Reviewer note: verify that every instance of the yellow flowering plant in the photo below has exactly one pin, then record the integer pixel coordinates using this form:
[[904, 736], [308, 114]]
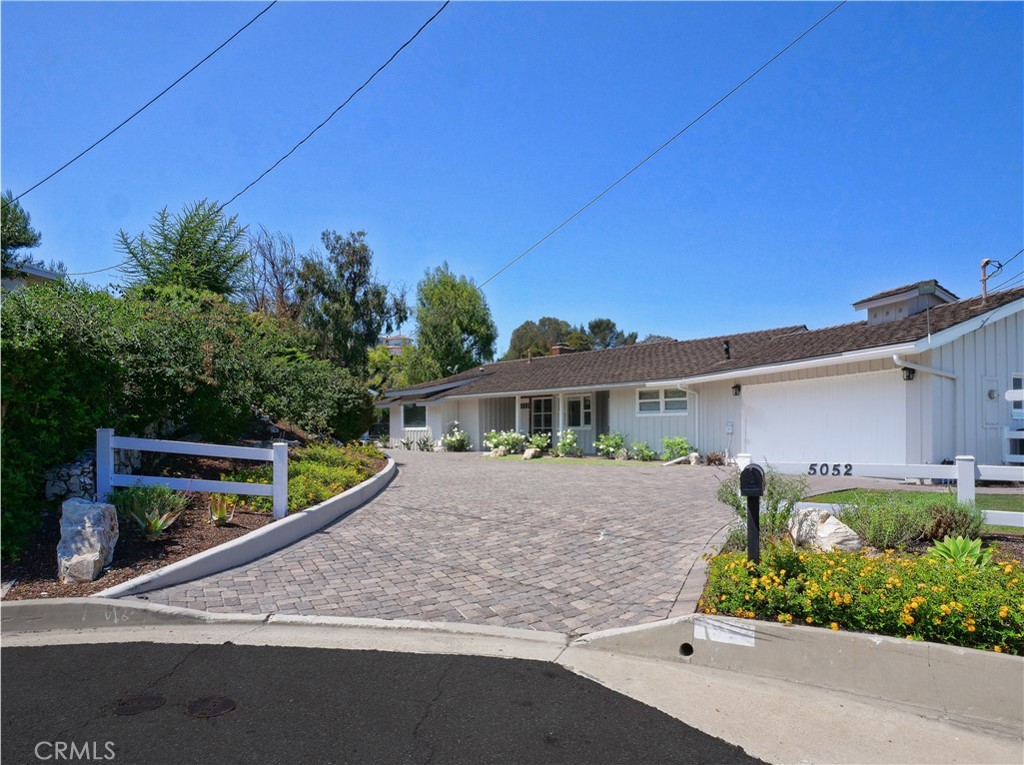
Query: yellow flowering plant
[[902, 595]]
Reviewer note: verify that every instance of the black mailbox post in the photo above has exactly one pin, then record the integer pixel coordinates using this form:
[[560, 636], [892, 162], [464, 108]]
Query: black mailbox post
[[752, 487]]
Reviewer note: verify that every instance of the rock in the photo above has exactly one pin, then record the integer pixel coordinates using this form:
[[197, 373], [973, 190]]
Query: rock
[[74, 485], [817, 528], [694, 458], [622, 454], [531, 454], [501, 451], [88, 533]]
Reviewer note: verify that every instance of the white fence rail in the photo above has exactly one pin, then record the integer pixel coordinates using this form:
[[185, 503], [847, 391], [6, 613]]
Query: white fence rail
[[1013, 446], [964, 472], [107, 479]]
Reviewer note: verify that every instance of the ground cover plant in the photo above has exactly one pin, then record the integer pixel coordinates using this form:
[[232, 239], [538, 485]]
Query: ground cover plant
[[316, 473], [919, 597], [900, 519]]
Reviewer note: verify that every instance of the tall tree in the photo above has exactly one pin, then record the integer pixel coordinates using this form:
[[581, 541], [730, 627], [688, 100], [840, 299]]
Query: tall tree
[[272, 275], [343, 304], [199, 249], [16, 233], [537, 337], [605, 334], [455, 329]]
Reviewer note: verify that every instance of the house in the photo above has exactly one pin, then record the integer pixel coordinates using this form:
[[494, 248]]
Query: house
[[29, 274], [921, 379], [394, 343]]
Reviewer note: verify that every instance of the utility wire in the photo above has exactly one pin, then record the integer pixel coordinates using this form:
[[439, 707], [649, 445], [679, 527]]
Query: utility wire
[[665, 145], [354, 93], [145, 106], [309, 135]]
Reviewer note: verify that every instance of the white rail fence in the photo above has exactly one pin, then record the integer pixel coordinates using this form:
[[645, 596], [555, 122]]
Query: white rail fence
[[964, 472], [107, 479], [1013, 446]]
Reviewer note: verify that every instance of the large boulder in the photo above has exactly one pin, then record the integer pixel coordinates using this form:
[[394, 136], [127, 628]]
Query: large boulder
[[818, 528], [88, 533], [531, 454]]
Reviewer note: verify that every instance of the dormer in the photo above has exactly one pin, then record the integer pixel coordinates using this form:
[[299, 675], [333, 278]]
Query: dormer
[[902, 302]]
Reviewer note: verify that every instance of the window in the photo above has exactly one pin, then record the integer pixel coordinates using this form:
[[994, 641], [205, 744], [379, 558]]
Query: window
[[541, 410], [1017, 407], [664, 401], [579, 412], [414, 416]]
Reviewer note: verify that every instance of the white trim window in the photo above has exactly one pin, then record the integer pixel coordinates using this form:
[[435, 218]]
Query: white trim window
[[579, 413], [414, 416], [652, 401], [1017, 407]]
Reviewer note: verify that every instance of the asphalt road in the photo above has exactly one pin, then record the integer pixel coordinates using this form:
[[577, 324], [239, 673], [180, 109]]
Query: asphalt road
[[308, 705]]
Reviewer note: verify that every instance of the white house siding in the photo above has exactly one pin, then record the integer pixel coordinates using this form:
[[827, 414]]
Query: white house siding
[[964, 419], [467, 412], [717, 407], [847, 418], [496, 414], [652, 428]]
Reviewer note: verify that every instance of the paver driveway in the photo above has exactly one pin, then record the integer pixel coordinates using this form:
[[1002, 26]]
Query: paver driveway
[[462, 538]]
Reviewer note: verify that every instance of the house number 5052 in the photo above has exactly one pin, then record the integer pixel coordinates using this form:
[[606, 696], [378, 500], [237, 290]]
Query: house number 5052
[[827, 468]]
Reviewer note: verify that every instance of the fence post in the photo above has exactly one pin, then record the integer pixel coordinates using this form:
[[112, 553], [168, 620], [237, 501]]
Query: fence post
[[742, 460], [280, 479], [964, 479], [104, 462]]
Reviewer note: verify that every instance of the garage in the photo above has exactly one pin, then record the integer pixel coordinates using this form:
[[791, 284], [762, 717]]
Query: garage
[[850, 418]]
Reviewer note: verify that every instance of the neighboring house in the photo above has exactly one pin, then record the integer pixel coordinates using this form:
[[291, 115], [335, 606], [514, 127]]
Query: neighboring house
[[395, 343], [27, 275], [921, 380]]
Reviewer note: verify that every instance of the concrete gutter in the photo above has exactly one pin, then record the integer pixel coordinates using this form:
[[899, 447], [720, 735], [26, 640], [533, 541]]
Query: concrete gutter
[[972, 687], [257, 543]]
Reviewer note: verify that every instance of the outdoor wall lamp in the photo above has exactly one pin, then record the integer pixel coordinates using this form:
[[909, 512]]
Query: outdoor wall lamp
[[908, 374], [736, 389]]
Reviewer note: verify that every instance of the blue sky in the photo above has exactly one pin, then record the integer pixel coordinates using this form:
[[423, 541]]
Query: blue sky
[[885, 148]]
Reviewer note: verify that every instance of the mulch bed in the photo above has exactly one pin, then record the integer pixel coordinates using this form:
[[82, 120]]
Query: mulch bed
[[35, 574], [1010, 545]]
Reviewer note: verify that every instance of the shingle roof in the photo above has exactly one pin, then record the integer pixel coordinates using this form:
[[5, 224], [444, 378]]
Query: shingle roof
[[900, 290], [689, 358]]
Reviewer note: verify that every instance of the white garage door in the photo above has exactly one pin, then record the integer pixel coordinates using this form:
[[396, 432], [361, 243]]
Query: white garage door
[[852, 418]]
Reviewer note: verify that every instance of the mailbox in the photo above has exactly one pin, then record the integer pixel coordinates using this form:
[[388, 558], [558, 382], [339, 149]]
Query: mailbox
[[752, 481]]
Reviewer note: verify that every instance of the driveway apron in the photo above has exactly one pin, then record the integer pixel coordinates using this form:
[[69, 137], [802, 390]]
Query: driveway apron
[[565, 547]]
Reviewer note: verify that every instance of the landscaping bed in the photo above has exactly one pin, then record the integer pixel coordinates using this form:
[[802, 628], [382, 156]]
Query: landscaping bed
[[317, 471]]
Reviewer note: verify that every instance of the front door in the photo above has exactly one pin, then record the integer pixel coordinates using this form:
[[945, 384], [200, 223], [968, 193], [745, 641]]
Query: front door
[[541, 415], [579, 416]]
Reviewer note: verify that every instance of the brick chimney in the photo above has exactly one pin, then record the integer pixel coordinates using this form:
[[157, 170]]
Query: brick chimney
[[561, 349]]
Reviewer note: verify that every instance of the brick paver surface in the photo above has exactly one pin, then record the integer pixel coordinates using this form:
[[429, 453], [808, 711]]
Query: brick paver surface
[[462, 538]]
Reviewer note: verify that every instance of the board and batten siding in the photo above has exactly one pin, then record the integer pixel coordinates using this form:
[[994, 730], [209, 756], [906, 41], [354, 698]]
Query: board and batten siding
[[652, 428], [958, 416], [847, 418]]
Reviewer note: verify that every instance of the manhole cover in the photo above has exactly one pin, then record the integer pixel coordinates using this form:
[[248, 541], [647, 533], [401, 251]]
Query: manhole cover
[[210, 706], [133, 705]]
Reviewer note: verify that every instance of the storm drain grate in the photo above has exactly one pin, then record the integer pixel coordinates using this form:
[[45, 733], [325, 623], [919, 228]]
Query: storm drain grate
[[133, 705], [210, 706]]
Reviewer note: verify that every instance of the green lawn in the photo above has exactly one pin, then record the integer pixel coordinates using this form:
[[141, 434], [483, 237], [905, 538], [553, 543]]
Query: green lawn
[[547, 460], [1013, 503], [1002, 530]]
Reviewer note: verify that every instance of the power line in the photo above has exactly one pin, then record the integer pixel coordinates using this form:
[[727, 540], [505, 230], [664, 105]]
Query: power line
[[145, 106], [354, 93], [657, 151], [309, 135]]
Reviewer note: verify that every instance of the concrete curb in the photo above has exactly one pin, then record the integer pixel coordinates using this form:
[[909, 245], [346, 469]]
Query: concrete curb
[[976, 688], [103, 620], [257, 543], [693, 586]]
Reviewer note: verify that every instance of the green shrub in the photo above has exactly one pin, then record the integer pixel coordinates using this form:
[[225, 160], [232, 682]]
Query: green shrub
[[949, 518], [610, 445], [961, 552], [676, 447], [643, 452], [456, 439], [425, 443], [540, 441], [153, 508], [315, 474], [916, 597], [505, 439], [715, 458], [568, 444], [781, 493], [889, 522]]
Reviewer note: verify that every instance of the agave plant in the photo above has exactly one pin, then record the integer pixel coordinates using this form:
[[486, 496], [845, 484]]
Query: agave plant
[[222, 510], [962, 552], [154, 522]]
